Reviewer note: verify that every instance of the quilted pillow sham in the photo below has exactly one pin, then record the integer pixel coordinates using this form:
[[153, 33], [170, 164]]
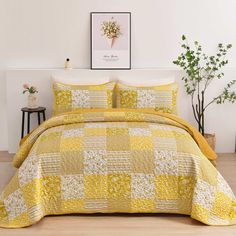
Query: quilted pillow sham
[[161, 98], [69, 97]]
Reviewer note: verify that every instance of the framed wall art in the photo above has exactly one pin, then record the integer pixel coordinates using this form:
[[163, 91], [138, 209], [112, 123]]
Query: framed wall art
[[110, 40]]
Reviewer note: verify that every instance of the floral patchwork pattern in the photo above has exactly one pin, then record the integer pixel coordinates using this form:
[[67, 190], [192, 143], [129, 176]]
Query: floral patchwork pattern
[[204, 194], [115, 161], [119, 186], [73, 133], [162, 98], [70, 97], [128, 99], [72, 186], [142, 186], [63, 97], [80, 98], [165, 162], [95, 162], [15, 204], [146, 99], [29, 170]]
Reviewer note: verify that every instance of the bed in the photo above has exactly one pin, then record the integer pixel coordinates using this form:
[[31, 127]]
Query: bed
[[115, 160], [132, 154]]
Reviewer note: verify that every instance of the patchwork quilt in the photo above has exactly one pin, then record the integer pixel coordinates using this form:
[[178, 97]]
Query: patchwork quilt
[[115, 160]]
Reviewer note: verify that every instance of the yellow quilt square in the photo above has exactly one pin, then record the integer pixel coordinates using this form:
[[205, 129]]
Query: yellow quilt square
[[109, 116], [95, 186], [208, 172], [200, 213], [117, 131], [186, 145], [72, 206], [186, 187], [24, 217], [3, 212], [31, 193], [63, 97], [109, 98], [119, 205], [135, 116], [162, 133], [181, 134], [166, 187], [184, 206], [118, 143], [119, 186], [61, 109], [141, 143], [72, 162], [95, 131], [50, 186], [142, 161], [143, 205], [49, 143], [71, 144], [128, 99], [50, 193], [222, 206]]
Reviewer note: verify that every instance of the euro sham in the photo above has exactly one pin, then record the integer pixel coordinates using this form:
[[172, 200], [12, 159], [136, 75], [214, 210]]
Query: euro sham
[[69, 97], [161, 98]]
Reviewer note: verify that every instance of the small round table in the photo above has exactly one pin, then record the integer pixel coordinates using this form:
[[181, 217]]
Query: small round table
[[29, 111]]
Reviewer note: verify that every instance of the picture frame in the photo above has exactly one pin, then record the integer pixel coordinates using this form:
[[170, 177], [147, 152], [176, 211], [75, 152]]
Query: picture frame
[[110, 40]]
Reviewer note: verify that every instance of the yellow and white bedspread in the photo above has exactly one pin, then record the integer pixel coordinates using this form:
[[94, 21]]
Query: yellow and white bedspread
[[115, 161]]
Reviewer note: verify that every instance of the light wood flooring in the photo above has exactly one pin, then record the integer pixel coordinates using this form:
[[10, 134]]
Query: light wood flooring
[[122, 224]]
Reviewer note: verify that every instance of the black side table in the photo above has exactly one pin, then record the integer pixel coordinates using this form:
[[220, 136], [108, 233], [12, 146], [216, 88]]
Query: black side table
[[29, 111]]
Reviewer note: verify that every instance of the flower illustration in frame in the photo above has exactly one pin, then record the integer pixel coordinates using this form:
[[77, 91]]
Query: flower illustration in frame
[[111, 30], [110, 40]]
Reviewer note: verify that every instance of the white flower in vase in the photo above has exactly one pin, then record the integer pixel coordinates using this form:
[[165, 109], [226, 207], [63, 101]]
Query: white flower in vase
[[32, 97]]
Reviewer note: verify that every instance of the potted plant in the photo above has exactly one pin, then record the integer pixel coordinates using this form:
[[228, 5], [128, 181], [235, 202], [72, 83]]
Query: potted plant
[[201, 70], [32, 98]]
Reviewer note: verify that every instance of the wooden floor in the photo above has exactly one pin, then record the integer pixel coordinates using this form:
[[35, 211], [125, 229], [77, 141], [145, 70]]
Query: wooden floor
[[126, 224]]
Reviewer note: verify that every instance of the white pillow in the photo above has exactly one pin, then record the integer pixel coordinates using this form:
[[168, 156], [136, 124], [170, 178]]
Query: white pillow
[[142, 81], [74, 77], [89, 77]]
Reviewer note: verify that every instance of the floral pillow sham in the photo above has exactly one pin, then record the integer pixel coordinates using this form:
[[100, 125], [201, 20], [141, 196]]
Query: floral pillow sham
[[161, 98], [70, 97]]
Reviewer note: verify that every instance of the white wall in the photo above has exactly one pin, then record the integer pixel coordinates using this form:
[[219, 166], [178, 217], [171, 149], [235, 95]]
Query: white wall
[[3, 61], [41, 34]]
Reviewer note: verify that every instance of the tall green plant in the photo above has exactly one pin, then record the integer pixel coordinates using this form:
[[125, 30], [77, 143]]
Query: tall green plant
[[201, 70]]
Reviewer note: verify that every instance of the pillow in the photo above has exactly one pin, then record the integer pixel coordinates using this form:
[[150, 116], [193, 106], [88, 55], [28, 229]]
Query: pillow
[[141, 80], [70, 97], [161, 98], [75, 77]]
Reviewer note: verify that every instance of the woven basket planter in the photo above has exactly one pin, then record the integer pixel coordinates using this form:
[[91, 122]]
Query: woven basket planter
[[211, 139]]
